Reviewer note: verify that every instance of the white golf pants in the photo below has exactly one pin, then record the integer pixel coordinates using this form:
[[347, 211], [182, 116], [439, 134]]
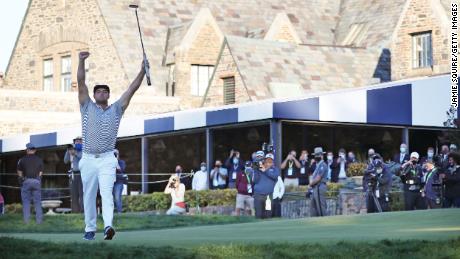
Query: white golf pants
[[98, 171]]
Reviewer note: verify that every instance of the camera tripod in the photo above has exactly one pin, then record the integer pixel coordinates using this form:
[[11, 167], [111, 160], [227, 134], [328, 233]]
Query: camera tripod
[[374, 198]]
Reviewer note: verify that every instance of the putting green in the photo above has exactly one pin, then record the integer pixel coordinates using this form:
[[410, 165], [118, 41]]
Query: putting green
[[426, 225]]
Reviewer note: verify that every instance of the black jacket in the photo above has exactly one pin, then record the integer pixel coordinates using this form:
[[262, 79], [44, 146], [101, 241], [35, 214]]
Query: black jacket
[[397, 158], [452, 184]]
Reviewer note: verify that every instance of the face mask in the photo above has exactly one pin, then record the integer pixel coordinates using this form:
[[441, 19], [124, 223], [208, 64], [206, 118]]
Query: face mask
[[317, 158], [78, 147], [370, 155], [414, 162], [235, 160], [329, 157], [430, 154], [203, 168], [403, 150], [178, 171], [379, 170], [342, 156]]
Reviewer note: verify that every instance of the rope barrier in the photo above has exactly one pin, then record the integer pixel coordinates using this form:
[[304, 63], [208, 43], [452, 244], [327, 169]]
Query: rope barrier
[[68, 174], [17, 187]]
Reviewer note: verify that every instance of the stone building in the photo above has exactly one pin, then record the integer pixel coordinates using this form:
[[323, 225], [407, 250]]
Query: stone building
[[214, 52]]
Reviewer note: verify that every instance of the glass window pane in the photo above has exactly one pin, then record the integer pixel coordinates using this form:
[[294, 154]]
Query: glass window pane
[[48, 84], [66, 64], [47, 67], [203, 77], [66, 83], [194, 80]]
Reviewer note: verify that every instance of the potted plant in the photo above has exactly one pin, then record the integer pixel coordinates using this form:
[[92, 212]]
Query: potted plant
[[356, 172]]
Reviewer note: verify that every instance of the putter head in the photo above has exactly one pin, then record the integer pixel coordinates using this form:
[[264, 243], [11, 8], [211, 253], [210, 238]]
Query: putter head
[[134, 6]]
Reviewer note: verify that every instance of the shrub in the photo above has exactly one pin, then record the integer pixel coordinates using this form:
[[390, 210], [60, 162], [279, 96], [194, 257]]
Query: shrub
[[356, 169]]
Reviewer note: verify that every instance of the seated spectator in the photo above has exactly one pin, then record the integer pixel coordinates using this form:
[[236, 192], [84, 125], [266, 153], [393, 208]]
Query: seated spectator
[[201, 179], [219, 176], [244, 186], [177, 191]]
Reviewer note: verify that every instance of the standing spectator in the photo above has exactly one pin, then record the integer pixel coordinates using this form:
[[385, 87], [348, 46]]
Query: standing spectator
[[73, 156], [219, 176], [305, 168], [278, 194], [453, 148], [411, 176], [318, 185], [342, 166], [433, 188], [443, 161], [265, 178], [370, 161], [451, 180], [244, 186], [403, 156], [30, 171], [290, 167], [2, 205], [429, 156], [120, 180], [201, 179], [177, 191], [332, 168], [351, 158], [234, 165]]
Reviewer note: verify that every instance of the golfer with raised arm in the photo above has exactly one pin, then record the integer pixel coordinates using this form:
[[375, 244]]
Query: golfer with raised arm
[[100, 123]]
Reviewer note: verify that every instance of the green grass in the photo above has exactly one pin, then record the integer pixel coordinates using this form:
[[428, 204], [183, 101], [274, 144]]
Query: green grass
[[16, 248], [420, 225], [74, 223]]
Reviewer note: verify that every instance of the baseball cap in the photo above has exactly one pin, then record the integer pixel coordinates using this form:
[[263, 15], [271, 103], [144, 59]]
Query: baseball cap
[[30, 146], [415, 154], [270, 155]]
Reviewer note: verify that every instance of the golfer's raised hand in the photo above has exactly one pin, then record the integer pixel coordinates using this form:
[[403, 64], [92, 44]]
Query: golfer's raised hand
[[83, 55]]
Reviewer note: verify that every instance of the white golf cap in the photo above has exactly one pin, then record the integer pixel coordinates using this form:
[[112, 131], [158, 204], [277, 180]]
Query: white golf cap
[[270, 155], [415, 154]]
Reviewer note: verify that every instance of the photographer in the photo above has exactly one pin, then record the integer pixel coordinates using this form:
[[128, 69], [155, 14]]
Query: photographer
[[379, 186], [306, 168], [234, 166], [73, 156], [265, 178], [290, 167], [177, 191], [451, 180], [317, 188], [219, 176], [411, 175], [432, 190]]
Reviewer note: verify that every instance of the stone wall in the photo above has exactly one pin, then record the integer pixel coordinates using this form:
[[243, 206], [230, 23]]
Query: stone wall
[[421, 16]]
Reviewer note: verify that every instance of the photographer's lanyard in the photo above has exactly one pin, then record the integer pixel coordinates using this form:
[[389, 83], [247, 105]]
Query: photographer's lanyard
[[302, 170]]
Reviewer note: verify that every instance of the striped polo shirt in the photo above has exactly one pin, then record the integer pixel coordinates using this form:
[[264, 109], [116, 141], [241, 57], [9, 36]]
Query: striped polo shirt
[[99, 126]]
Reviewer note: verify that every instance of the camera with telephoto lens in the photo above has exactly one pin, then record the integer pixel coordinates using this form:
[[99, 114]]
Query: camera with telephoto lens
[[267, 148]]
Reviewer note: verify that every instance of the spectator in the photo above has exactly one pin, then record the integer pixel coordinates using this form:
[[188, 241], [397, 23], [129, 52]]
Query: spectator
[[370, 155], [120, 180], [2, 205], [73, 156], [234, 165], [342, 166], [30, 171], [453, 148], [177, 191], [370, 161], [290, 167], [351, 158], [305, 168], [403, 156], [433, 188], [332, 168], [244, 186], [219, 176], [411, 176], [278, 194], [451, 180], [443, 161], [318, 186], [429, 156], [184, 179], [201, 179], [265, 178]]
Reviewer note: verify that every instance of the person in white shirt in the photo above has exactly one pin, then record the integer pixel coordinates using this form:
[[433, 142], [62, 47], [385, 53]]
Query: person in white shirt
[[201, 179], [219, 176], [177, 191], [278, 194]]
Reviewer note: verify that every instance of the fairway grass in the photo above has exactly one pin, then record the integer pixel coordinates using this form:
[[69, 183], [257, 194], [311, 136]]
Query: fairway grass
[[433, 225]]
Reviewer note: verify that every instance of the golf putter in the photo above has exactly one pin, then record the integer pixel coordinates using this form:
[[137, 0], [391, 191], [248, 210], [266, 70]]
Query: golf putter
[[146, 66]]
